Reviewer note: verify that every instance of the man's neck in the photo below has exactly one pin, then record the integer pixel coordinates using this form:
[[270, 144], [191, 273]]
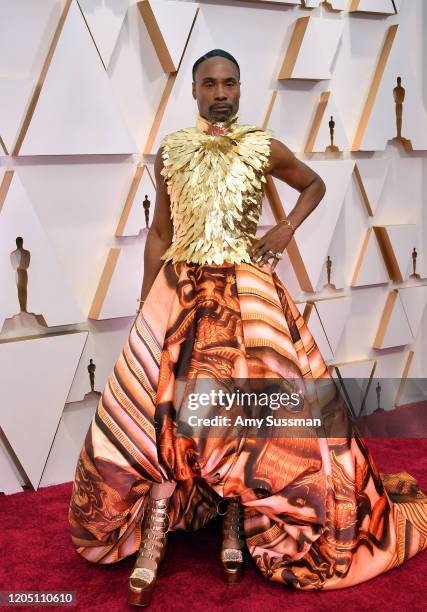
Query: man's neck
[[215, 128]]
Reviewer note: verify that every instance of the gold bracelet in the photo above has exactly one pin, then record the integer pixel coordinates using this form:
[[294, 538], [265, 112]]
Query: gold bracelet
[[288, 223]]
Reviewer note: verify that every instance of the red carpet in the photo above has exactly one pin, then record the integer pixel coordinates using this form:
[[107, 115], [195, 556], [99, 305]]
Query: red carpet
[[37, 555]]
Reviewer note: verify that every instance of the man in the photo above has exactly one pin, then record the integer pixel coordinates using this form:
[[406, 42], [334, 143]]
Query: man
[[216, 88], [313, 510]]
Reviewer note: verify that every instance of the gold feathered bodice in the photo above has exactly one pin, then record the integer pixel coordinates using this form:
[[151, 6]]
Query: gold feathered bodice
[[214, 174]]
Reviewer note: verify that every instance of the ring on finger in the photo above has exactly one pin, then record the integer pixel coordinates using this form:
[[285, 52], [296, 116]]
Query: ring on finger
[[267, 255]]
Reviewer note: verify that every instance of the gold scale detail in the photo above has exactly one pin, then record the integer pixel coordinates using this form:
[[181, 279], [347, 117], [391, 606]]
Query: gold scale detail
[[215, 176]]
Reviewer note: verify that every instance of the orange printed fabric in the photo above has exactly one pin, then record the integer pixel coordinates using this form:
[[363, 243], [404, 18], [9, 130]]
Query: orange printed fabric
[[317, 512]]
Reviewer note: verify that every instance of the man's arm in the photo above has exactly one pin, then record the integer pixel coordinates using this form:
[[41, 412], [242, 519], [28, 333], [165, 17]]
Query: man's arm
[[160, 234], [285, 166]]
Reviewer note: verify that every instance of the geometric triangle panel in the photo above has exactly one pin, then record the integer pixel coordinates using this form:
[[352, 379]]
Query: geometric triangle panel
[[397, 242], [120, 284], [317, 330], [169, 25], [328, 129], [371, 176], [34, 287], [370, 267], [139, 204], [70, 435], [312, 49], [379, 120], [333, 315], [104, 20], [414, 300], [35, 376], [318, 228], [76, 112], [393, 329]]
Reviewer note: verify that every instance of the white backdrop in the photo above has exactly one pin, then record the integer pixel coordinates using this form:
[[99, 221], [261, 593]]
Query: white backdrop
[[88, 88]]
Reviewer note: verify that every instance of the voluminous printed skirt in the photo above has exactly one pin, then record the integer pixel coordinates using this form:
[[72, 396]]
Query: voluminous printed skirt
[[317, 512]]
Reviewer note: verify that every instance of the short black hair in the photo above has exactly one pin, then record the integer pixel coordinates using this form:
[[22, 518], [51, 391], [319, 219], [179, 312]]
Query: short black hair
[[215, 53]]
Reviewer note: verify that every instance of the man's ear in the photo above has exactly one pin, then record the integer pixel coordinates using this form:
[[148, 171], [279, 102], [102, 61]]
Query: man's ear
[[193, 90]]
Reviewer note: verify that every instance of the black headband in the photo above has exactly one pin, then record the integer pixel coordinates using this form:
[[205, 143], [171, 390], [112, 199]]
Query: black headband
[[215, 53]]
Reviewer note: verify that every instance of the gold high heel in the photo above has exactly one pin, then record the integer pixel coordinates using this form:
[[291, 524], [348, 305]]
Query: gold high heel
[[232, 529], [153, 547]]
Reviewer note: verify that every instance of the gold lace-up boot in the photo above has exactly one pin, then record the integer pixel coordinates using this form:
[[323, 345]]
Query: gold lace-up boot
[[151, 552], [232, 542]]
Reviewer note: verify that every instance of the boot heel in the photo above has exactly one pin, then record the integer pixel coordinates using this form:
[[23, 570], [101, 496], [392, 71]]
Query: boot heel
[[139, 598]]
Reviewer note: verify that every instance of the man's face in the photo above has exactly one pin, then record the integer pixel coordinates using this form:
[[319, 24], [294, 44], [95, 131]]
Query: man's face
[[217, 89]]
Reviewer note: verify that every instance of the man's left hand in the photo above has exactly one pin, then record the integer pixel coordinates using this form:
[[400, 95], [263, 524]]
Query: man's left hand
[[273, 241]]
